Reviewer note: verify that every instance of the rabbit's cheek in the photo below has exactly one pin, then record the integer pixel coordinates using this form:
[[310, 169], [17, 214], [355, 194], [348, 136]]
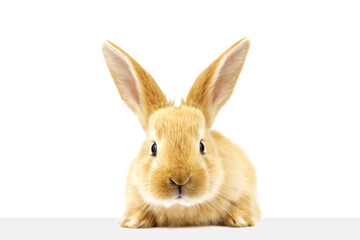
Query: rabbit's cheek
[[197, 185], [160, 187]]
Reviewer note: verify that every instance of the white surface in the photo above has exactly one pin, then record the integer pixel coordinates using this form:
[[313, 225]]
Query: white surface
[[66, 138], [106, 228]]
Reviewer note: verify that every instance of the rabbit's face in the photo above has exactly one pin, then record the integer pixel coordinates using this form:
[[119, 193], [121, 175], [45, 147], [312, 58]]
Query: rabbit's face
[[178, 163]]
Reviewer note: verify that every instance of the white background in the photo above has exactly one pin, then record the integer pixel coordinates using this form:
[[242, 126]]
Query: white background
[[67, 139]]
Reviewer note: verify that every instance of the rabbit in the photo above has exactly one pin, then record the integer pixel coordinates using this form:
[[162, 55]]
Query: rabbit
[[185, 174]]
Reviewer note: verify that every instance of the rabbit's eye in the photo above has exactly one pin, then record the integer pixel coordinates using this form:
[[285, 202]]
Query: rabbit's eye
[[202, 148], [154, 149]]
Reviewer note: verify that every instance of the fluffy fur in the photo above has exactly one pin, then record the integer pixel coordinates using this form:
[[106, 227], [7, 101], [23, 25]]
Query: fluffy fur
[[218, 186]]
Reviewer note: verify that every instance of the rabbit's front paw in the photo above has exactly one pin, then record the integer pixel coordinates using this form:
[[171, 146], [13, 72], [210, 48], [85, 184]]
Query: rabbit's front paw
[[138, 219], [238, 221], [243, 213]]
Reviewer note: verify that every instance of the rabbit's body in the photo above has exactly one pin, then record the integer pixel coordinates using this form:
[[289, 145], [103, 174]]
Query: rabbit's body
[[236, 194], [185, 173]]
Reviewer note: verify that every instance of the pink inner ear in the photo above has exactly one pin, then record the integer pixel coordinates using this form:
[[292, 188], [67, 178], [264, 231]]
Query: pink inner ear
[[124, 78], [227, 76]]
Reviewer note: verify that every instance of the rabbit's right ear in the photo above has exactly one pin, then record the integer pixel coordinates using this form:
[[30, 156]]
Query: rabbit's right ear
[[136, 86]]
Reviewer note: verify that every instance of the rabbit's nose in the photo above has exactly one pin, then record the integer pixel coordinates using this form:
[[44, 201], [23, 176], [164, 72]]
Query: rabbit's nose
[[179, 183]]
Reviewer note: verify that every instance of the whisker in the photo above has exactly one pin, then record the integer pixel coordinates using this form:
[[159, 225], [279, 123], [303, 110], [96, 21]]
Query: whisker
[[160, 165], [133, 205], [234, 207], [150, 168], [154, 212], [223, 209], [143, 213], [248, 200]]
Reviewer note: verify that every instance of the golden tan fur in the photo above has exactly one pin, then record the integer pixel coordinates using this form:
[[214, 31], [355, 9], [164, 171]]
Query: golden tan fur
[[180, 185]]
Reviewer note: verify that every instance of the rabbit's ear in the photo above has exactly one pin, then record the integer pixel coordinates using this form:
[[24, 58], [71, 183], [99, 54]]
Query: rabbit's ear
[[215, 84], [136, 86]]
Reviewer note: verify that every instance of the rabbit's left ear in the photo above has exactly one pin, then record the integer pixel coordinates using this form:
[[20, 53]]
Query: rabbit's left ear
[[216, 83], [136, 86]]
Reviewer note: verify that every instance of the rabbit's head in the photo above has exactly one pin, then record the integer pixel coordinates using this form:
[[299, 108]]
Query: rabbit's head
[[179, 162]]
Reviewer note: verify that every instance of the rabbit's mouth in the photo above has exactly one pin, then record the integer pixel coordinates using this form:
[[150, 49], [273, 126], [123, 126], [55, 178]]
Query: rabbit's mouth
[[180, 195], [177, 199]]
